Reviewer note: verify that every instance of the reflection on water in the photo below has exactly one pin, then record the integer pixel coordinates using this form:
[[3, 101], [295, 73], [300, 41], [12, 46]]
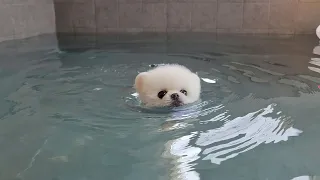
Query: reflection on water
[[306, 178], [236, 136], [316, 50], [315, 61], [246, 133], [183, 156]]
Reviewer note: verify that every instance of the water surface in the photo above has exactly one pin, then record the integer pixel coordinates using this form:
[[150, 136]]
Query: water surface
[[69, 112]]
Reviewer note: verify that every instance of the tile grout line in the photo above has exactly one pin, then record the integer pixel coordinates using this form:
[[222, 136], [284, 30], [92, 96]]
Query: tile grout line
[[217, 18], [167, 24], [95, 16], [167, 16], [269, 10], [118, 15], [141, 27], [242, 23], [191, 15], [296, 18]]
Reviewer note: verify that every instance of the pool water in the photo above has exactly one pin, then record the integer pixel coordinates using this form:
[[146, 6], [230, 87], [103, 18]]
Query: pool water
[[69, 112]]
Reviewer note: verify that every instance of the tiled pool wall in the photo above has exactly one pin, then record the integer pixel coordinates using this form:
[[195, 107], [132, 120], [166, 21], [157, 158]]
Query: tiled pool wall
[[24, 18], [221, 16]]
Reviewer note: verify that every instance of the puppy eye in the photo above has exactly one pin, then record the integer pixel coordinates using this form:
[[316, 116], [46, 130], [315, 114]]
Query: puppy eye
[[161, 94], [184, 92]]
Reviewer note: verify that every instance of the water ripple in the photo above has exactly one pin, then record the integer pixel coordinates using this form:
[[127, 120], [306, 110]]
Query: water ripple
[[234, 137], [91, 93]]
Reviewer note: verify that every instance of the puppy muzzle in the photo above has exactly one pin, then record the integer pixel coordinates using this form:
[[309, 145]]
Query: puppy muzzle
[[176, 103], [175, 100]]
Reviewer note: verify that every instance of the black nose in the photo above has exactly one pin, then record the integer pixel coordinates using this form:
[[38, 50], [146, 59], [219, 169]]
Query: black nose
[[175, 96]]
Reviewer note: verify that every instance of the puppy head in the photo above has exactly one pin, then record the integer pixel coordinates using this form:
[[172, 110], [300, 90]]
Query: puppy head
[[168, 85]]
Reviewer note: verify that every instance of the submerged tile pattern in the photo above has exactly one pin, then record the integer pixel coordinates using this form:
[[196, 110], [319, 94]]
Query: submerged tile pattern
[[25, 18]]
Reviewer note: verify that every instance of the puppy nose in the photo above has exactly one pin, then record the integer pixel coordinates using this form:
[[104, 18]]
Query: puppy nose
[[175, 96]]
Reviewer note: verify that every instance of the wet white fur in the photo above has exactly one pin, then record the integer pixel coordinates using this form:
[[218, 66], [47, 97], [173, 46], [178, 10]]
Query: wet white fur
[[171, 78]]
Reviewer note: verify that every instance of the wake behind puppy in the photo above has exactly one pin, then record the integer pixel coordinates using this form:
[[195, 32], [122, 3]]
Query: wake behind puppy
[[168, 85]]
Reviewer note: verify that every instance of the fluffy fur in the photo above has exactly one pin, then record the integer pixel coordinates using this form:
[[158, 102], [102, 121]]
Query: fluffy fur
[[172, 79]]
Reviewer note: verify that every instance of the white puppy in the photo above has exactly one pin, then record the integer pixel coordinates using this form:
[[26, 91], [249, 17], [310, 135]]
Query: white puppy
[[168, 85]]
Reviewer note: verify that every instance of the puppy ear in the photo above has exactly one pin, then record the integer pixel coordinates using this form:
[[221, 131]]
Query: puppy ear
[[138, 84]]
